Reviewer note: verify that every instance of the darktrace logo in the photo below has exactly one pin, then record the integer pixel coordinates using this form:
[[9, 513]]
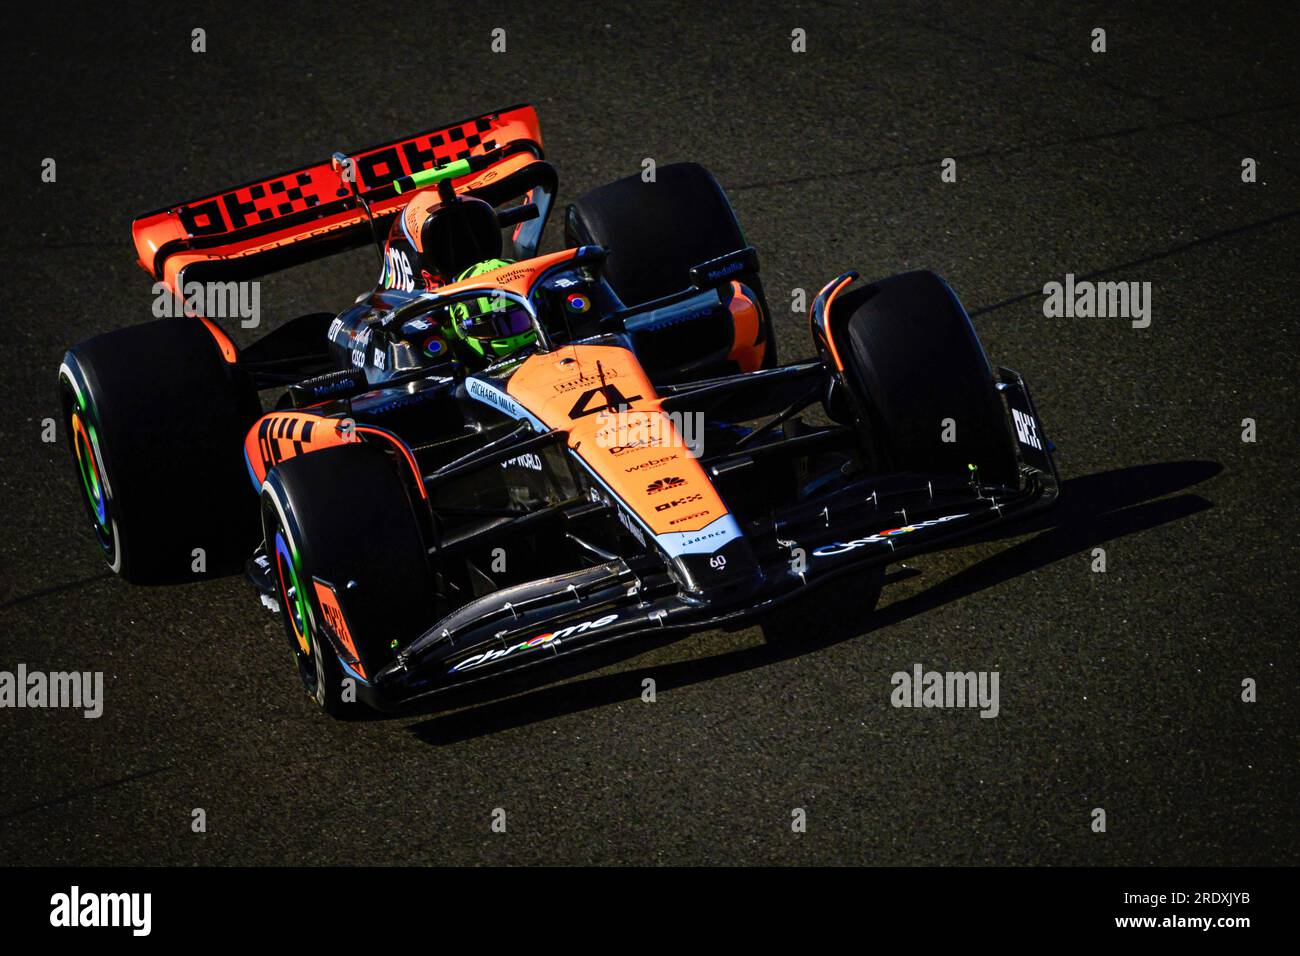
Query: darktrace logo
[[664, 484], [678, 501], [617, 450]]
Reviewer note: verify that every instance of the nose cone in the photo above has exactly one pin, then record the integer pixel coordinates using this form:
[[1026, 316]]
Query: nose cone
[[726, 576]]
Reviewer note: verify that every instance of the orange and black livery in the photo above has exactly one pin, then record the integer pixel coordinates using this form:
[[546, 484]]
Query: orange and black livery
[[498, 455]]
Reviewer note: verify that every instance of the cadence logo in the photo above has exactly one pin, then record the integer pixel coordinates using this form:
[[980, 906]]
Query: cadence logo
[[74, 908], [843, 547], [541, 640]]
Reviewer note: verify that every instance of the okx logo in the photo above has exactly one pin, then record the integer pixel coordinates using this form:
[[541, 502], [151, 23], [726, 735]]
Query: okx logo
[[677, 502], [1026, 429]]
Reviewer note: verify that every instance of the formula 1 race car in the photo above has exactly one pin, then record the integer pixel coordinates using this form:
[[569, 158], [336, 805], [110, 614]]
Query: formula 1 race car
[[499, 457]]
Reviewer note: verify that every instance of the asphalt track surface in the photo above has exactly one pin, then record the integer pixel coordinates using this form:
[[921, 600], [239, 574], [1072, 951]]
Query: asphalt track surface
[[1119, 690]]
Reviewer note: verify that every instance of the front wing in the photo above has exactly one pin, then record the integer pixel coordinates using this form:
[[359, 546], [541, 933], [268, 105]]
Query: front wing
[[873, 522]]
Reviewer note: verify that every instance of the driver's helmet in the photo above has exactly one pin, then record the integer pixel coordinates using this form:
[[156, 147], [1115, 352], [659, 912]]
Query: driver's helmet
[[491, 326]]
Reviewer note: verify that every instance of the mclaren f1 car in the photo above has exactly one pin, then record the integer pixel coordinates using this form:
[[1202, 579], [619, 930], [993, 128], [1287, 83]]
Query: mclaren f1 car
[[497, 457]]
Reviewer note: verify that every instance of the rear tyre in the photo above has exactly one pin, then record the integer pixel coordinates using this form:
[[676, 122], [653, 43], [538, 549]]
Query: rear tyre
[[655, 232], [353, 574], [156, 420], [913, 360]]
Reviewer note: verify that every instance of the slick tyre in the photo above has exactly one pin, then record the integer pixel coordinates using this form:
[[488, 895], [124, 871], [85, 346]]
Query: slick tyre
[[155, 420], [920, 374], [656, 231], [352, 574]]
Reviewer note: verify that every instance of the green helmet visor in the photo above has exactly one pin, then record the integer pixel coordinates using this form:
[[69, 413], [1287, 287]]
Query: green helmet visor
[[486, 320], [491, 324]]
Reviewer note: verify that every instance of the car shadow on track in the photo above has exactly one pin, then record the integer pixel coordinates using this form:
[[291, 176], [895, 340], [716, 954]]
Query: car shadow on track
[[1092, 510]]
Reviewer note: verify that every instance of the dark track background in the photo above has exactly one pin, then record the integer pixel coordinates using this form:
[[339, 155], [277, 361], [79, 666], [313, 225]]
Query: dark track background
[[1118, 690]]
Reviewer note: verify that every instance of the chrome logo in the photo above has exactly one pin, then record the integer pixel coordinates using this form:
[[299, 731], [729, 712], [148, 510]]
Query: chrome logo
[[541, 640], [843, 547]]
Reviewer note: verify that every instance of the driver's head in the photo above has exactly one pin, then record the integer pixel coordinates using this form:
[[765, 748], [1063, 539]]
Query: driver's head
[[493, 327]]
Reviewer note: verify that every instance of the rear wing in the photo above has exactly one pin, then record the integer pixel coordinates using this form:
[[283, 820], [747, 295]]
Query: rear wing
[[303, 214]]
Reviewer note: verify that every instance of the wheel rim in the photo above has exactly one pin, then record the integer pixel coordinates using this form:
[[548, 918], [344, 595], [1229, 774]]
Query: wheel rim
[[93, 487], [292, 596]]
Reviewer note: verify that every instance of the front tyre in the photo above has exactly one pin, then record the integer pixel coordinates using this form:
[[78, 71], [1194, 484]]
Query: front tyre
[[921, 380], [352, 570]]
